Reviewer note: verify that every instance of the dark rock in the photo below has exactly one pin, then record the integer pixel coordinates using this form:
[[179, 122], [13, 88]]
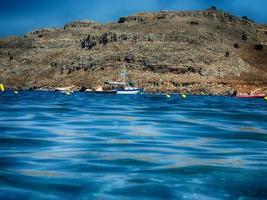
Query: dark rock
[[129, 58], [213, 8], [236, 45], [53, 64], [258, 47], [136, 37], [103, 39], [123, 37], [138, 19], [227, 54], [191, 69], [194, 23], [246, 18], [244, 37], [162, 16], [10, 56], [122, 20], [113, 37], [88, 43], [83, 89], [69, 71], [149, 39]]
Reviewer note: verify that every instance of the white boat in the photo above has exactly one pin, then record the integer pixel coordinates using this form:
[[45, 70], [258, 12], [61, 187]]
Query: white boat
[[119, 87], [125, 87], [63, 89], [129, 91]]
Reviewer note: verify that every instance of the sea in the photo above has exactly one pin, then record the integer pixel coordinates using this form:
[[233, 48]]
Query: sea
[[105, 146]]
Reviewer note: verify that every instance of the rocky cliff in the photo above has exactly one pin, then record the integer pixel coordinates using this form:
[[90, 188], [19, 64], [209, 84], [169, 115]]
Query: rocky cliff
[[201, 52]]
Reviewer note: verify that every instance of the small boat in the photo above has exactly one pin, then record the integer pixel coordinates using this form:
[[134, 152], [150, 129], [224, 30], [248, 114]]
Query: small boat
[[119, 87], [248, 96], [129, 90], [125, 87]]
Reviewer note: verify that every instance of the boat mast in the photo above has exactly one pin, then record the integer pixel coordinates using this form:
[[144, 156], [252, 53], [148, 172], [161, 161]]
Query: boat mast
[[124, 72]]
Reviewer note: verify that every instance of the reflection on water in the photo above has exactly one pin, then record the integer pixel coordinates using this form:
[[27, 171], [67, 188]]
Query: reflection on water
[[85, 146]]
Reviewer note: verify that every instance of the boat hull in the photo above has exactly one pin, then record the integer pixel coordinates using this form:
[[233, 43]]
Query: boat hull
[[105, 92], [137, 91], [251, 96]]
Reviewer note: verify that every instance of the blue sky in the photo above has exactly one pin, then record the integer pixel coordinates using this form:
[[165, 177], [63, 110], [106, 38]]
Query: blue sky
[[18, 17]]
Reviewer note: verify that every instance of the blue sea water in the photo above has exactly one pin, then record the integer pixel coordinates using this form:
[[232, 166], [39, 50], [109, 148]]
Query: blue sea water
[[85, 146]]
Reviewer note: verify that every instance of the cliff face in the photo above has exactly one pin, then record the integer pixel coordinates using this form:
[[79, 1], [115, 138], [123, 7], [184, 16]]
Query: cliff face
[[206, 51]]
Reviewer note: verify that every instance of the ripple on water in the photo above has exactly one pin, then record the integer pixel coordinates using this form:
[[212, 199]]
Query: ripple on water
[[84, 146]]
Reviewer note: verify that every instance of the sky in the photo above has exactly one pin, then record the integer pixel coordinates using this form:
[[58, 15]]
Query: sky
[[18, 17]]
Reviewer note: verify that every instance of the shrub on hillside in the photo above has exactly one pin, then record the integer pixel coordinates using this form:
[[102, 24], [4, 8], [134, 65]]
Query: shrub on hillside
[[236, 45], [213, 8], [258, 47], [194, 23], [244, 37]]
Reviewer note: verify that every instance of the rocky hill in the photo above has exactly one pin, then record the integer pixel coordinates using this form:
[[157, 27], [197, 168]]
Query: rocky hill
[[200, 52]]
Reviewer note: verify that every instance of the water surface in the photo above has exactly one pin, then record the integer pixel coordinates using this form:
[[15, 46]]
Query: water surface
[[85, 146]]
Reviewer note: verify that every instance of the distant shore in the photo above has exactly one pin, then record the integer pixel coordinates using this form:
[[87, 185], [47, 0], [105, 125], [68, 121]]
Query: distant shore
[[212, 89], [206, 52]]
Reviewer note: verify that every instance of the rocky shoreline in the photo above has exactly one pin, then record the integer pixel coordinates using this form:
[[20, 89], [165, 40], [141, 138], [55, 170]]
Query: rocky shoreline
[[208, 89], [207, 52]]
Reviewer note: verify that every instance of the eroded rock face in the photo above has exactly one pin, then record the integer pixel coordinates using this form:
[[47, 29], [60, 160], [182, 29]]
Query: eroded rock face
[[81, 24], [204, 51], [138, 19], [103, 39], [91, 41]]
